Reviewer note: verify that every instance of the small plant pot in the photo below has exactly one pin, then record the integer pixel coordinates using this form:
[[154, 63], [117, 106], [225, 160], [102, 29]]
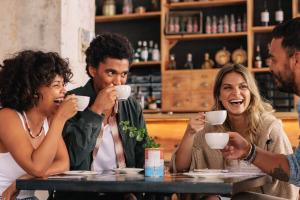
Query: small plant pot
[[154, 162]]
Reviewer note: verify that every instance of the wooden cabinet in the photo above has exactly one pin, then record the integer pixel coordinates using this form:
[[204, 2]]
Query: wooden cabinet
[[191, 90], [198, 97]]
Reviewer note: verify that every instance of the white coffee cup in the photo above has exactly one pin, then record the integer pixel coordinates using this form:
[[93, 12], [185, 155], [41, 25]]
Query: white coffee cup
[[123, 91], [216, 117], [216, 140], [82, 102]]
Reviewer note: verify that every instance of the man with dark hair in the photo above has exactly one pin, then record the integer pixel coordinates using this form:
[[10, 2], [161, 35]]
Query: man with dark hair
[[285, 56], [94, 138]]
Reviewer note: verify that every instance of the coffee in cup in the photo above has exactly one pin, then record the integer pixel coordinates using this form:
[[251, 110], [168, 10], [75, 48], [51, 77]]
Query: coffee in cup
[[216, 117], [216, 140], [82, 102], [123, 91]]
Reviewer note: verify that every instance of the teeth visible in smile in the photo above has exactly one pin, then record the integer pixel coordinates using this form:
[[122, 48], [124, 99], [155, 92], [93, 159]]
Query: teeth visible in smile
[[236, 101], [58, 100]]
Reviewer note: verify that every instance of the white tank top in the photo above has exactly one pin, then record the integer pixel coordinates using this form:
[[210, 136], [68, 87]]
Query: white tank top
[[10, 170]]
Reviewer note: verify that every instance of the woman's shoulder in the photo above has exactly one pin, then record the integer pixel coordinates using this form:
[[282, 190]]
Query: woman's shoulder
[[7, 112], [268, 119]]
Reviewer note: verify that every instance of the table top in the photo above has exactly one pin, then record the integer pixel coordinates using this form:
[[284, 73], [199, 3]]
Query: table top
[[171, 183]]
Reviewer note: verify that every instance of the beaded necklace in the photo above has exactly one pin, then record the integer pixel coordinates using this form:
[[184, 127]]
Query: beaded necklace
[[28, 127]]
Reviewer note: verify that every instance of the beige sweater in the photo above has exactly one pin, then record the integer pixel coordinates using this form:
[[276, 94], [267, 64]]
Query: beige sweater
[[270, 128]]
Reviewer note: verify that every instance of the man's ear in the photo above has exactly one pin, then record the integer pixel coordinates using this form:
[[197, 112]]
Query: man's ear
[[92, 71]]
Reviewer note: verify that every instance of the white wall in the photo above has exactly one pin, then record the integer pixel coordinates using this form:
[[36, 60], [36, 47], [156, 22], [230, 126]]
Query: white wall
[[48, 25]]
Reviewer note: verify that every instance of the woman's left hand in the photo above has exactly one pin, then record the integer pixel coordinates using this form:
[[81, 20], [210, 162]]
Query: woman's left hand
[[11, 192]]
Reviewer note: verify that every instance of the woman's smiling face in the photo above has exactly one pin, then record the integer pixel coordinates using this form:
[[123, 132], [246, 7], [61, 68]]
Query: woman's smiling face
[[234, 93]]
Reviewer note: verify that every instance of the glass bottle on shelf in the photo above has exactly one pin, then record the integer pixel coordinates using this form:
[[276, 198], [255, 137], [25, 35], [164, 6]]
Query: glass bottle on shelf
[[220, 25], [208, 63], [155, 53], [265, 15], [151, 100], [176, 25], [150, 50], [226, 24], [144, 52], [239, 24], [195, 25], [279, 14], [214, 24], [127, 6], [189, 25], [109, 8], [172, 62], [171, 28], [208, 25], [257, 58], [232, 25], [189, 62]]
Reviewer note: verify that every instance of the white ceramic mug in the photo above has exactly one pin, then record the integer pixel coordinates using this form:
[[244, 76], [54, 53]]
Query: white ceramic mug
[[123, 91], [216, 117], [216, 140], [82, 102]]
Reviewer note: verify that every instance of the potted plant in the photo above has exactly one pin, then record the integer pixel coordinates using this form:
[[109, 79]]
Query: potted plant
[[154, 161]]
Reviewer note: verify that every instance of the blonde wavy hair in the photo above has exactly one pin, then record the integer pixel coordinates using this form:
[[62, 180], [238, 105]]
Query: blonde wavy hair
[[257, 105]]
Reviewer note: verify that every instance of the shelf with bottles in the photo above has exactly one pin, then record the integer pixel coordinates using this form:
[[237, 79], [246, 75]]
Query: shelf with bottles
[[210, 21], [270, 12], [207, 54], [175, 4], [120, 10], [126, 17]]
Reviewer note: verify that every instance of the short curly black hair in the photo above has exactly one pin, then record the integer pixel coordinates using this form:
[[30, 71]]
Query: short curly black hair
[[22, 75], [289, 31], [108, 45]]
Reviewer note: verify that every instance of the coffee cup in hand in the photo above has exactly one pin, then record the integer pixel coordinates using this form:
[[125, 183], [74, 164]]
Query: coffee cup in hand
[[82, 102], [123, 91], [216, 117], [216, 140]]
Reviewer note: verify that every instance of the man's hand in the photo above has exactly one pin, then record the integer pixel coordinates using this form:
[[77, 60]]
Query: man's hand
[[237, 147], [105, 100]]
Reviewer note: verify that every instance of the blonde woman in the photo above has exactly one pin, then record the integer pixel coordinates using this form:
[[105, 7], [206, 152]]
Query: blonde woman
[[235, 90]]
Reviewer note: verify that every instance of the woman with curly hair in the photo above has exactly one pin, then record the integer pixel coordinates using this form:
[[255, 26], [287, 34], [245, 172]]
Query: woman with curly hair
[[235, 90], [34, 111]]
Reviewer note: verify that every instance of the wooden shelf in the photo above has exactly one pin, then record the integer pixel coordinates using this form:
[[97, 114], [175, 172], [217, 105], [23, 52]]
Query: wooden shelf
[[146, 63], [204, 36], [210, 3], [262, 29], [257, 70], [127, 17]]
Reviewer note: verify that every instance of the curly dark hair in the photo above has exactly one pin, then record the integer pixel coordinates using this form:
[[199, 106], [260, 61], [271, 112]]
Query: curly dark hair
[[108, 45], [289, 31], [22, 75]]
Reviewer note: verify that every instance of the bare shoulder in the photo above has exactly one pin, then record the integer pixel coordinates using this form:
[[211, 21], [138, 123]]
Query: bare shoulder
[[7, 114], [8, 119]]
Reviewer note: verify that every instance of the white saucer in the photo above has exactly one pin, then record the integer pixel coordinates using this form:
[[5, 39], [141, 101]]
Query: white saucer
[[79, 172], [128, 170], [211, 170]]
